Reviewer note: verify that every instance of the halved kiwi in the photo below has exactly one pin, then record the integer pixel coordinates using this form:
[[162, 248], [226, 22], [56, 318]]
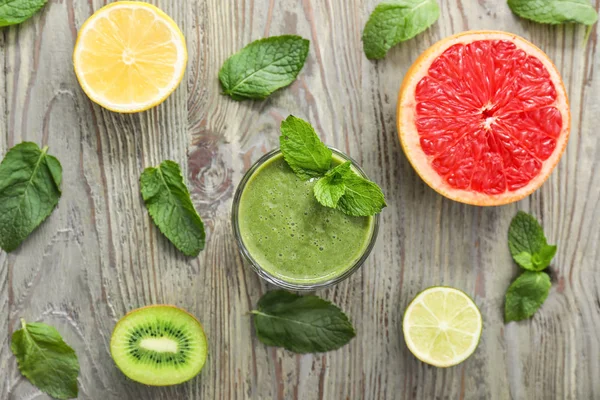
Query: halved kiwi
[[159, 345]]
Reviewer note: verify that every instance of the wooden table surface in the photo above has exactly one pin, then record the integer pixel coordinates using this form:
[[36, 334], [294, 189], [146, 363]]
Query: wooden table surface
[[99, 255]]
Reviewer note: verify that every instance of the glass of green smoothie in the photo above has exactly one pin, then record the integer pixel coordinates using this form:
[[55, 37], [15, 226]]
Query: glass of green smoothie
[[290, 239]]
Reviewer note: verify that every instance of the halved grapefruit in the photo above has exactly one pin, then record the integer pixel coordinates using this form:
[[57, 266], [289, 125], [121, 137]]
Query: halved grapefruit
[[483, 117]]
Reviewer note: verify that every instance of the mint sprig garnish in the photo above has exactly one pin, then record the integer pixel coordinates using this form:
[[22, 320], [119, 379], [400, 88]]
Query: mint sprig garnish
[[170, 206], [330, 188], [14, 12], [302, 324], [263, 66], [354, 195], [339, 187], [555, 11], [46, 360], [30, 181], [531, 251], [528, 244], [395, 21]]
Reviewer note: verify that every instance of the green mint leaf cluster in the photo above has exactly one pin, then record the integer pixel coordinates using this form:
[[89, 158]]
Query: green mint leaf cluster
[[169, 204], [330, 188], [531, 251], [30, 182], [302, 149], [395, 21], [555, 11], [302, 324], [46, 360], [339, 187], [528, 244], [526, 295], [263, 66], [14, 12], [343, 189]]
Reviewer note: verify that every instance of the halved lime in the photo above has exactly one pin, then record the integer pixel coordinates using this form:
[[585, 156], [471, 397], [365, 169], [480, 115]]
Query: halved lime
[[442, 326]]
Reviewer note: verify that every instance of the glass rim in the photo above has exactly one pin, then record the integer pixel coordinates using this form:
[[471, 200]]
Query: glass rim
[[256, 265]]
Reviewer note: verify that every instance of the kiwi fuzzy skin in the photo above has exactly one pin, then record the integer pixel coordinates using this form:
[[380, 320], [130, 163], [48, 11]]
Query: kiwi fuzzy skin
[[123, 318]]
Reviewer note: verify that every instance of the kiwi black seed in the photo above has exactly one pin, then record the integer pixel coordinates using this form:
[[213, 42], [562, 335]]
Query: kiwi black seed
[[159, 345]]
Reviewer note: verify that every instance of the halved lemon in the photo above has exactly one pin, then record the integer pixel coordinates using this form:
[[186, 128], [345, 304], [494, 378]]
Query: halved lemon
[[129, 56], [442, 326]]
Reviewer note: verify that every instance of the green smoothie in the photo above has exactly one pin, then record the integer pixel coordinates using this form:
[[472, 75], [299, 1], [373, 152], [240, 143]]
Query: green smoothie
[[290, 235]]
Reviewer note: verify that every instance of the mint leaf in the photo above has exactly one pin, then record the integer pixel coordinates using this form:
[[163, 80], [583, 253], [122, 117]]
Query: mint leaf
[[30, 182], [525, 260], [528, 244], [525, 234], [302, 324], [538, 261], [170, 206], [555, 11], [302, 149], [395, 21], [263, 66], [46, 360], [330, 188], [14, 12], [525, 295], [543, 257], [362, 197], [341, 188]]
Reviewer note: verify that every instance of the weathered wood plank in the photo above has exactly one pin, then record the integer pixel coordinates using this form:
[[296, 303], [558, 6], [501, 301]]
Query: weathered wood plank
[[99, 255]]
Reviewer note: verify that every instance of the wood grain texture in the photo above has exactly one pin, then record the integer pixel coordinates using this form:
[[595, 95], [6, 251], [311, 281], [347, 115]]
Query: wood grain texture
[[99, 256]]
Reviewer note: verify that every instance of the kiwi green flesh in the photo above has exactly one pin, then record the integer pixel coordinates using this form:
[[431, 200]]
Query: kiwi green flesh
[[159, 345]]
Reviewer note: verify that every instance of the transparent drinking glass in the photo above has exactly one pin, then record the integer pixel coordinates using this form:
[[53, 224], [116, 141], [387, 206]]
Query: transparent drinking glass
[[267, 276]]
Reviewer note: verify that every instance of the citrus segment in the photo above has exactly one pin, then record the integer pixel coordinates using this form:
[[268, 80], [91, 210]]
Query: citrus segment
[[129, 56], [483, 117], [442, 326]]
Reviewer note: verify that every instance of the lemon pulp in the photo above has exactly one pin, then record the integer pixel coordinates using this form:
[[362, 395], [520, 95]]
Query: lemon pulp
[[129, 56]]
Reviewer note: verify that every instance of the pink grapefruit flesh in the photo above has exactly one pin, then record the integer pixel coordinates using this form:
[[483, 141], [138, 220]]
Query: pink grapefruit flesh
[[483, 117]]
